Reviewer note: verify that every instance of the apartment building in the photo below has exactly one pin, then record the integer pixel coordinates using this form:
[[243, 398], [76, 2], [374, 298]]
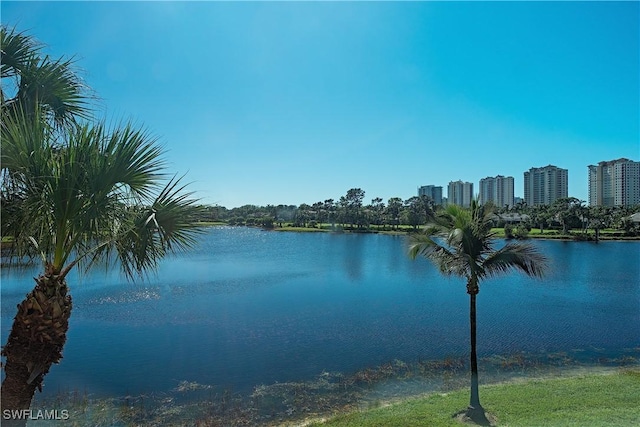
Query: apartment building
[[460, 193], [614, 183], [433, 192], [543, 186], [498, 190]]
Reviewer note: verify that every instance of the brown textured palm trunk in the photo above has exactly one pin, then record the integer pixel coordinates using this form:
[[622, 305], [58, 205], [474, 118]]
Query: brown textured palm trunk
[[36, 340]]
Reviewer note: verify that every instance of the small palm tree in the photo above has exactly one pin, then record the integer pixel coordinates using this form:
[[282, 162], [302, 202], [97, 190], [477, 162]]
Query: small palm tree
[[460, 242]]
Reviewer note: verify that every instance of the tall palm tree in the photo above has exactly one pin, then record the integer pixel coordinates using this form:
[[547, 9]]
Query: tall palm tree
[[460, 242]]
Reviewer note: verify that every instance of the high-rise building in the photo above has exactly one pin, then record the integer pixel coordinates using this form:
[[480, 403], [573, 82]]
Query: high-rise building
[[614, 183], [498, 190], [460, 193], [543, 186], [433, 192]]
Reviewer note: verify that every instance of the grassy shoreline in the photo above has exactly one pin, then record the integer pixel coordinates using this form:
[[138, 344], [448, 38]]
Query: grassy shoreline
[[592, 399]]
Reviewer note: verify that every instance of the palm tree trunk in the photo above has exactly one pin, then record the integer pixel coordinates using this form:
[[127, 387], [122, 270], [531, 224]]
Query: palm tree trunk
[[474, 401], [36, 340], [475, 411]]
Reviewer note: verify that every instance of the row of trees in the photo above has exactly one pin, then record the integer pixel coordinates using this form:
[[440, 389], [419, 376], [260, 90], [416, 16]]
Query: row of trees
[[350, 211], [573, 214]]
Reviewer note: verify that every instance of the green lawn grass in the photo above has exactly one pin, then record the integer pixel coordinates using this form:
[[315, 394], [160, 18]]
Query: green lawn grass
[[211, 223], [598, 400], [300, 229]]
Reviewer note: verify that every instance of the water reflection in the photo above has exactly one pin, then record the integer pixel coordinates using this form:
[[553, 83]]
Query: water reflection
[[353, 259]]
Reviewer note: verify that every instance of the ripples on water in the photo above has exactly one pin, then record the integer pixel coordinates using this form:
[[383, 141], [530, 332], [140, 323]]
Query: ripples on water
[[249, 307]]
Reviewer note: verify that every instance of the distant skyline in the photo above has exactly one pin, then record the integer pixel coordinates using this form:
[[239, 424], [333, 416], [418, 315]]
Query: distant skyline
[[297, 102]]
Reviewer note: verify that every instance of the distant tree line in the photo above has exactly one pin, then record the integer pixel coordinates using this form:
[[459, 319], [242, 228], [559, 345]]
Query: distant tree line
[[350, 212], [570, 215]]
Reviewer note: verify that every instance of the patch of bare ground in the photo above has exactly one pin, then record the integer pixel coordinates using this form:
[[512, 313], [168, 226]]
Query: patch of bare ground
[[476, 417]]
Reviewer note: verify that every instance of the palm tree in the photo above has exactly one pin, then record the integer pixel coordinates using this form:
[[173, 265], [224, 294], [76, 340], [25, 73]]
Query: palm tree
[[73, 194], [95, 197], [460, 242]]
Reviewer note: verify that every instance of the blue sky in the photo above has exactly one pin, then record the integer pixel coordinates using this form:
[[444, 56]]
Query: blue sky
[[297, 102]]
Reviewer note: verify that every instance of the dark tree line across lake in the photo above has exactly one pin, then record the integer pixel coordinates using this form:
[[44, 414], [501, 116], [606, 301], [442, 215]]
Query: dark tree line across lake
[[350, 212]]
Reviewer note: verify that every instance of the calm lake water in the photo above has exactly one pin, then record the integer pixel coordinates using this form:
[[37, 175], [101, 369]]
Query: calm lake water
[[250, 307]]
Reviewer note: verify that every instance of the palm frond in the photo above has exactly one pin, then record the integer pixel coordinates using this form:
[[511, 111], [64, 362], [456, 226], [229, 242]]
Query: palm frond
[[168, 225], [518, 256], [175, 216], [94, 185], [432, 246], [54, 86], [62, 90], [16, 50], [423, 243], [133, 159], [71, 188], [36, 81], [26, 160], [460, 242]]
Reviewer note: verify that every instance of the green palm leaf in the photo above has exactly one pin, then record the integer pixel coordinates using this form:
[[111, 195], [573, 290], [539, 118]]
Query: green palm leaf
[[37, 81], [168, 224], [515, 256], [16, 49]]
